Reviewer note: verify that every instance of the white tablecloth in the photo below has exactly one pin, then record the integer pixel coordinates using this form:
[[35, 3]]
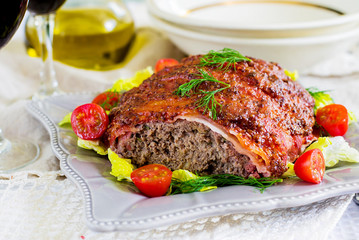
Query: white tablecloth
[[39, 203]]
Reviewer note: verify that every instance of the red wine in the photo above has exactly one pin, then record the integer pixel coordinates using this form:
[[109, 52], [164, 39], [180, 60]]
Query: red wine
[[44, 6], [11, 14]]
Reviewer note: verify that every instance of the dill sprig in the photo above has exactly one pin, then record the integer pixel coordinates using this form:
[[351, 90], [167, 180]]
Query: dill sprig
[[208, 101], [192, 85], [220, 180], [224, 58]]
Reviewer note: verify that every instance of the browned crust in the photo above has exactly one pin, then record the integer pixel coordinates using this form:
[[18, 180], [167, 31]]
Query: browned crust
[[271, 115]]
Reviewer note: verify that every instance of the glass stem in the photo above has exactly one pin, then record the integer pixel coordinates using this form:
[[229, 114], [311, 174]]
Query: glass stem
[[45, 30], [5, 144]]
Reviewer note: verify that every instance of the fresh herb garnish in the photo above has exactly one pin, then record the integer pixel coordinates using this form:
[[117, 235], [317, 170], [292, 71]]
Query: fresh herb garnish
[[321, 99], [186, 88], [224, 58], [208, 101], [220, 180]]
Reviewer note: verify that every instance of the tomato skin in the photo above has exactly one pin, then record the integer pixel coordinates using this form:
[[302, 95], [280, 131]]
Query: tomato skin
[[334, 119], [310, 166], [89, 121], [152, 180], [165, 62], [107, 100]]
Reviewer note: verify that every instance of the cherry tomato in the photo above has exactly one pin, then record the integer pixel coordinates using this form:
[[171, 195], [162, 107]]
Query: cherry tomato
[[333, 118], [89, 121], [107, 100], [165, 62], [310, 166], [153, 180]]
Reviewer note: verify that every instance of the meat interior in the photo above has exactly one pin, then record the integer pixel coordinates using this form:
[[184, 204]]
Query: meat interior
[[264, 116], [184, 145]]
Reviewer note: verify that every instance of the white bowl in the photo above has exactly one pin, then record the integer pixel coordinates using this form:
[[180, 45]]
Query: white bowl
[[290, 53], [259, 18]]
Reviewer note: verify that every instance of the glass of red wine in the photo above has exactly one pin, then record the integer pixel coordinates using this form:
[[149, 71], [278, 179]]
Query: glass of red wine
[[44, 16], [14, 154]]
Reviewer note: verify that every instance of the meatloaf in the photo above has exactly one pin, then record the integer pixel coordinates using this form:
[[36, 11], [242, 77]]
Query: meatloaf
[[264, 120]]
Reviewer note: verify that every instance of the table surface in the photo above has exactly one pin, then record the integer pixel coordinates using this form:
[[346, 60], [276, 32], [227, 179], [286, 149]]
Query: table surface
[[344, 80]]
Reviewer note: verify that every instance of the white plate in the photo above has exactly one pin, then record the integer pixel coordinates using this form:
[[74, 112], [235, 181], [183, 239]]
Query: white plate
[[291, 53], [259, 18], [111, 205]]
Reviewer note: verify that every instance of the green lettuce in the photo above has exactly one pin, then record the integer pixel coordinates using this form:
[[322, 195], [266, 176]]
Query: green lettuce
[[290, 171], [126, 84], [92, 145], [293, 75], [335, 149], [184, 175], [321, 98], [121, 168], [66, 121], [352, 117]]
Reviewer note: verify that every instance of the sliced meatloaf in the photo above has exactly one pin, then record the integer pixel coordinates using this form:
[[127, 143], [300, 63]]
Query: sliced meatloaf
[[264, 119]]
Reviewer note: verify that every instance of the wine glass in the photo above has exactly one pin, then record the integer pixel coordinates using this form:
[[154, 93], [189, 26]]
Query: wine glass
[[44, 16], [14, 154]]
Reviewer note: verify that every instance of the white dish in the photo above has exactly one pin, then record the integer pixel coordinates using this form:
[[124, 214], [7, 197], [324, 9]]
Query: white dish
[[111, 205], [259, 18], [290, 53]]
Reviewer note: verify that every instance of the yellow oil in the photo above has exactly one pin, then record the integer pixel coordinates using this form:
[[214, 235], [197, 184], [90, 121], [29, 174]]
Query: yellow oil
[[86, 38]]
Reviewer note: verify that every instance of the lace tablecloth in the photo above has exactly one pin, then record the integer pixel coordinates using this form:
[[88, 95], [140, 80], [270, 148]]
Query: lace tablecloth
[[38, 202], [48, 208]]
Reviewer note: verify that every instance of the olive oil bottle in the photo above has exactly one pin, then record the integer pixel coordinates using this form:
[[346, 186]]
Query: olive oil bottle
[[87, 37]]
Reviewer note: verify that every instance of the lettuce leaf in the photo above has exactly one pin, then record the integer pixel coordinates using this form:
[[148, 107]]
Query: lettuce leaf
[[135, 81], [183, 175], [290, 171], [121, 167], [321, 98], [66, 121], [352, 117], [293, 75], [92, 145], [335, 149]]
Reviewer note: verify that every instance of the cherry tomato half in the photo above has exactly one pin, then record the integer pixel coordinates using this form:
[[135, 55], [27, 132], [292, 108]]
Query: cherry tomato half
[[107, 100], [165, 62], [89, 121], [333, 118], [310, 166], [153, 180]]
